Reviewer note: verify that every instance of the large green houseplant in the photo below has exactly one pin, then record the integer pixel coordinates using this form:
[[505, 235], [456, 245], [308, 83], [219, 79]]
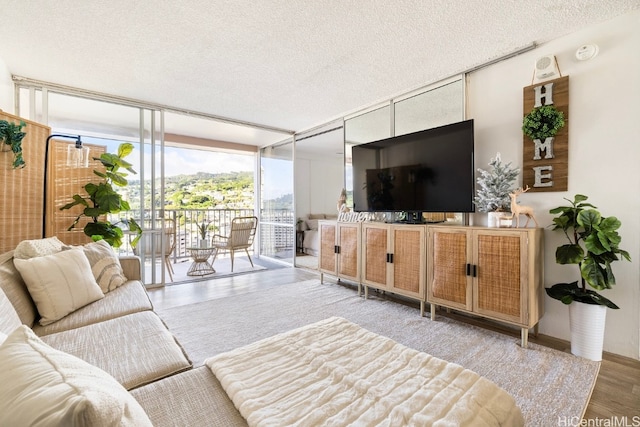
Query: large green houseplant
[[102, 199], [11, 134], [593, 246]]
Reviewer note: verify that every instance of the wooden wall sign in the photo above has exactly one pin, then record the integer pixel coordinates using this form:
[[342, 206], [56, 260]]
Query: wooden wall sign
[[545, 164]]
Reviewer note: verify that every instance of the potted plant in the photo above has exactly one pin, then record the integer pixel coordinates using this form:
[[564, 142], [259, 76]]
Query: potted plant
[[202, 230], [593, 247], [495, 185], [101, 199], [11, 134]]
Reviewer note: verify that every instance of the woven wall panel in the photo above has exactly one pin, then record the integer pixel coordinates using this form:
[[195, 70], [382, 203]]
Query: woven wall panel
[[21, 190], [449, 263], [499, 274], [406, 260], [62, 183]]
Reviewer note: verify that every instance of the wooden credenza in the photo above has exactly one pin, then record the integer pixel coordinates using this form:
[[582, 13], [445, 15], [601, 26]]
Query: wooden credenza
[[394, 259], [490, 272], [495, 273], [339, 253]]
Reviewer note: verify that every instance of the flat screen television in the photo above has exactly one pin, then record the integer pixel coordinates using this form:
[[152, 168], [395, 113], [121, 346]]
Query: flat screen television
[[426, 171]]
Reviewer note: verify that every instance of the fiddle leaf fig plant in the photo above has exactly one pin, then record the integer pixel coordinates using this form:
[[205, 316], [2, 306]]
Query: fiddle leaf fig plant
[[102, 199], [593, 247], [12, 135]]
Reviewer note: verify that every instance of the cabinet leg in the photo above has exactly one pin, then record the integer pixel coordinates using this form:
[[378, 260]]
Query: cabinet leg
[[366, 292], [421, 308], [433, 311], [321, 278], [524, 337], [535, 330], [359, 289]]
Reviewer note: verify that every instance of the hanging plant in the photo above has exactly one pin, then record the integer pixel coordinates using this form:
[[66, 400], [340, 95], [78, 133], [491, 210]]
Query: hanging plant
[[543, 122], [11, 134]]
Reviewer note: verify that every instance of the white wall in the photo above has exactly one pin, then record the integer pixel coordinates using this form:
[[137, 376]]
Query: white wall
[[604, 155], [318, 186], [6, 89]]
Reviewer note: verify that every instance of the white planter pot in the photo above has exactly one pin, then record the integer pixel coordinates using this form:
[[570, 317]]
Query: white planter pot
[[203, 243], [587, 329], [493, 219]]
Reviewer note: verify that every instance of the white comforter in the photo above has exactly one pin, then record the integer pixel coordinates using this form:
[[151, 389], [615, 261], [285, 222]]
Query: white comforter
[[335, 373]]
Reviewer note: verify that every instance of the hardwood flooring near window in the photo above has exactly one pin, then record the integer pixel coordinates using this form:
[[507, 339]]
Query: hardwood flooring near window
[[616, 393]]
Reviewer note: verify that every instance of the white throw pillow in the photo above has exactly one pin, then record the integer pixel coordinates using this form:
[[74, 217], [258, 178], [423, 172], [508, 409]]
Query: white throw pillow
[[41, 386], [105, 265], [37, 247], [59, 283]]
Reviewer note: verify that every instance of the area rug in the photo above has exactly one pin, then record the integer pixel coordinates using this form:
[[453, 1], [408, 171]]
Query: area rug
[[335, 373], [547, 385]]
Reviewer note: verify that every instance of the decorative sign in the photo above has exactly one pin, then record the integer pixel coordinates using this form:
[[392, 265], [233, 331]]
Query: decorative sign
[[545, 163]]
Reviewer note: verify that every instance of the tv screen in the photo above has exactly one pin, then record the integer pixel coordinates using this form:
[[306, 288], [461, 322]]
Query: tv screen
[[426, 171]]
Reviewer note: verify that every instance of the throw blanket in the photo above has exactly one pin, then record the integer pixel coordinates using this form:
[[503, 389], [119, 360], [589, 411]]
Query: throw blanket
[[335, 373]]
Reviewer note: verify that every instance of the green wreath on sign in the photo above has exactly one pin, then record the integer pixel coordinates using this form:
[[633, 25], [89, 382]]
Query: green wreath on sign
[[543, 122]]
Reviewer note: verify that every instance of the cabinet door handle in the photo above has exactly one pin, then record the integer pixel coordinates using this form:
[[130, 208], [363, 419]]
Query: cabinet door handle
[[468, 270], [391, 258], [336, 249], [475, 270]]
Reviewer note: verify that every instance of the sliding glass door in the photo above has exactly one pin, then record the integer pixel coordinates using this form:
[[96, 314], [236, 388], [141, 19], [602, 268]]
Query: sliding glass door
[[277, 217]]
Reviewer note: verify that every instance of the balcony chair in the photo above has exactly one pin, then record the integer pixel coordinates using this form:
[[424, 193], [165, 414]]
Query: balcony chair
[[243, 230], [146, 247]]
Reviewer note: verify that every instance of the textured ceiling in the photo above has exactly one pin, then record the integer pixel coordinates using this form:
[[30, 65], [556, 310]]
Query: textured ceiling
[[290, 64]]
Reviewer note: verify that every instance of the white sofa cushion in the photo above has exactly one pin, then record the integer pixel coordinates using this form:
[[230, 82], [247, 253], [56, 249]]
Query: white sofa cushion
[[105, 265], [41, 386], [59, 283], [37, 247]]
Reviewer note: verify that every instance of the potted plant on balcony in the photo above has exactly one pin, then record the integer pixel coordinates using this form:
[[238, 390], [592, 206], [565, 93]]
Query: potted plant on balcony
[[102, 199], [202, 231], [593, 247], [11, 134]]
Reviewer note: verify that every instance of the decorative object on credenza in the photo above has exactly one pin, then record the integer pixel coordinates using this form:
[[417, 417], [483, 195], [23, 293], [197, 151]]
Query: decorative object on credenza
[[517, 210], [342, 202], [11, 136], [495, 184], [545, 150], [593, 246], [102, 199]]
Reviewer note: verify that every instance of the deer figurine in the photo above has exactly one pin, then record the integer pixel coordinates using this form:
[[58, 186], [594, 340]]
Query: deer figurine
[[517, 210]]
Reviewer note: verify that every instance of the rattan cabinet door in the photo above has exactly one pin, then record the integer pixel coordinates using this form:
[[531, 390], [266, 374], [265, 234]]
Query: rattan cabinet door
[[327, 255], [448, 283], [374, 255], [501, 280], [409, 260], [349, 251]]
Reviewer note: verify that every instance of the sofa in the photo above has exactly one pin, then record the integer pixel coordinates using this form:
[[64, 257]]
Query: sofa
[[311, 238], [80, 344]]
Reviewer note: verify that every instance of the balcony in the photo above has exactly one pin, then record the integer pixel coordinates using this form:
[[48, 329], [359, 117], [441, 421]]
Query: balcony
[[275, 234]]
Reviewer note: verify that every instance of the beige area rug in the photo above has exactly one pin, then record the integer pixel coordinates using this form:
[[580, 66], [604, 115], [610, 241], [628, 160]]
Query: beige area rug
[[547, 385]]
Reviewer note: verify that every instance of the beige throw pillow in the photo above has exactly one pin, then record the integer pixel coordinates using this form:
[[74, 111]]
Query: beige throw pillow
[[37, 247], [105, 265], [41, 386], [59, 283]]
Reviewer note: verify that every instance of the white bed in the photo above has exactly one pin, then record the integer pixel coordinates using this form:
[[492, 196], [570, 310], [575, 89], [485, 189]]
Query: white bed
[[334, 372]]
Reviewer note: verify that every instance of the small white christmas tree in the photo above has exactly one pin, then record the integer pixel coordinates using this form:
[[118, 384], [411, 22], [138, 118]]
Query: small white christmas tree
[[495, 185]]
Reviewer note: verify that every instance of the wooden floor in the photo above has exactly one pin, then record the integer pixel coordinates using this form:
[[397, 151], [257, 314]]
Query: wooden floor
[[616, 393]]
